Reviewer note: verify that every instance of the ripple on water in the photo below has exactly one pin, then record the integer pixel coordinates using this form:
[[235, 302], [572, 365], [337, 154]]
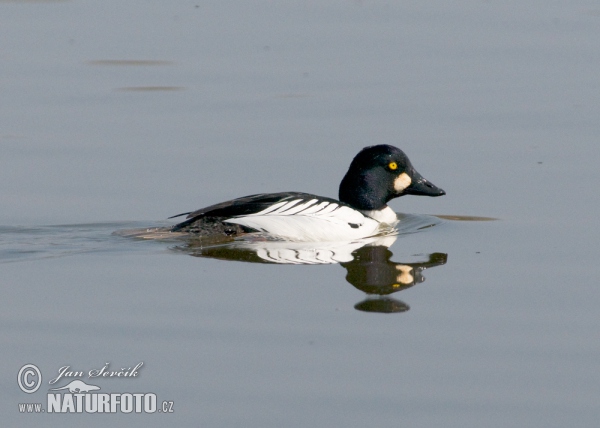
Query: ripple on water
[[22, 243]]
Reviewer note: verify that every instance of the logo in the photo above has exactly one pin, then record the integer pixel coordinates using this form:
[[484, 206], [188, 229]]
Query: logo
[[77, 386], [27, 384], [79, 396]]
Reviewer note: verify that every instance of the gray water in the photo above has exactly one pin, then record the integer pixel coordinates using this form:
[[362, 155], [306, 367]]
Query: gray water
[[117, 115]]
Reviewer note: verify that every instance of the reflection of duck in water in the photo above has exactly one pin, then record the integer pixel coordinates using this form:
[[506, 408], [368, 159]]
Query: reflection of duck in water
[[373, 272], [367, 262], [376, 175]]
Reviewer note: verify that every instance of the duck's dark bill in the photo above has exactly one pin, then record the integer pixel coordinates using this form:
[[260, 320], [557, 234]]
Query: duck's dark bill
[[420, 186]]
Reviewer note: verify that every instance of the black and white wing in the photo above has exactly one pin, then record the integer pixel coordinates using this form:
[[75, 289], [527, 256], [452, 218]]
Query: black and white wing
[[291, 215], [247, 204]]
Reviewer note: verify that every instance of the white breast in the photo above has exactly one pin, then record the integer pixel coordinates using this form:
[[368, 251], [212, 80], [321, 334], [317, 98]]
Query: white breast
[[386, 215], [310, 221]]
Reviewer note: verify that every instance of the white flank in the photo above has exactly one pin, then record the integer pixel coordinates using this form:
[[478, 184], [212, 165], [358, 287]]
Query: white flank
[[311, 222]]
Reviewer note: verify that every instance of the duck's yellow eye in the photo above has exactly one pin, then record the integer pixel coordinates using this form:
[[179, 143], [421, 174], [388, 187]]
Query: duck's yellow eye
[[393, 166]]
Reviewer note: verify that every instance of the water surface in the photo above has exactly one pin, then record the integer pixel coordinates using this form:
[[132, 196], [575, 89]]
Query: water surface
[[118, 115]]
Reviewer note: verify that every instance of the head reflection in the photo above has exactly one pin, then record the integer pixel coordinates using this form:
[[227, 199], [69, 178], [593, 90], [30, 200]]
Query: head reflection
[[373, 272]]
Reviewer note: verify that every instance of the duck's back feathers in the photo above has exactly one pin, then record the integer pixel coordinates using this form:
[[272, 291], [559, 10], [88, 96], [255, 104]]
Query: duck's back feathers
[[248, 204]]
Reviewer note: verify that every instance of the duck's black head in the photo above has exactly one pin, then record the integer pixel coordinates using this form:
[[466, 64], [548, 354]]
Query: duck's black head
[[380, 173]]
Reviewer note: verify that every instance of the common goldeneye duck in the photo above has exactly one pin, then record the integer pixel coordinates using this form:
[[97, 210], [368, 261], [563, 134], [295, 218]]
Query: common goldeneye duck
[[376, 175]]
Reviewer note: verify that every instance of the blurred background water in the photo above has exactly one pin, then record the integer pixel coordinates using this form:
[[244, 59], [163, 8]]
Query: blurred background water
[[120, 114]]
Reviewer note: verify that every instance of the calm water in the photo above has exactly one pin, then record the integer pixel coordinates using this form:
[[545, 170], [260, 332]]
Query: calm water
[[116, 116]]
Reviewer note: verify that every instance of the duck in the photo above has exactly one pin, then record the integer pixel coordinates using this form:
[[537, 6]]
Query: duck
[[376, 175]]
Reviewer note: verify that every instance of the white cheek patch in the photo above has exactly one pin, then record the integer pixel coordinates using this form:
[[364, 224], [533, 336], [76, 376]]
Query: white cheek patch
[[402, 182], [404, 277]]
